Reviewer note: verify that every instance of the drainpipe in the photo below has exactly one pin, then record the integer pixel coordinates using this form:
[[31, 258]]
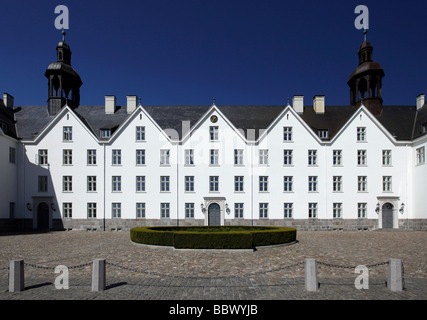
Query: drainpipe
[[104, 169]]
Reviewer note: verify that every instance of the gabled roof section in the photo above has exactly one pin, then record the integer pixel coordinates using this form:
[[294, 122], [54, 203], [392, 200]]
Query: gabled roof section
[[420, 122], [398, 120]]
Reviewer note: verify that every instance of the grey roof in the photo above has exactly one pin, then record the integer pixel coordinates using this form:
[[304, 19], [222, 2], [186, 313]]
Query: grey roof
[[6, 116], [31, 120], [421, 120]]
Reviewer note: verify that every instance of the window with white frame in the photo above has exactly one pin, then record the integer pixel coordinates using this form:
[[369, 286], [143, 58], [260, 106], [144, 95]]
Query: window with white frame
[[337, 157], [42, 157], [213, 183], [105, 133], [312, 157], [189, 183], [238, 210], [116, 159], [140, 210], [312, 210], [238, 184], [189, 157], [362, 183], [323, 133], [91, 184], [288, 209], [67, 133], [421, 155], [387, 158], [67, 210], [91, 157], [67, 183], [140, 157], [387, 184], [312, 184], [214, 155], [337, 210], [140, 133], [263, 210], [238, 157], [164, 184], [116, 210], [213, 133], [287, 134], [361, 134], [288, 182], [263, 157], [287, 157], [116, 184], [263, 184], [42, 183], [164, 157], [140, 184], [189, 210], [362, 158], [337, 184], [164, 210], [362, 210], [67, 157], [91, 210]]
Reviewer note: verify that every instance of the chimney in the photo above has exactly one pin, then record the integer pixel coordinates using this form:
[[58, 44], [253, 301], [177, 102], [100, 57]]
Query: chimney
[[8, 100], [110, 104], [131, 103], [298, 104], [421, 100], [319, 104]]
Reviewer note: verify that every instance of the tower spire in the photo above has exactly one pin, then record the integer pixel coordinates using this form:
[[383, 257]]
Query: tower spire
[[63, 35], [365, 33]]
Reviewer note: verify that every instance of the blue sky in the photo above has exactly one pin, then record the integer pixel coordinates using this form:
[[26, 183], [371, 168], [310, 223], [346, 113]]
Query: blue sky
[[186, 52]]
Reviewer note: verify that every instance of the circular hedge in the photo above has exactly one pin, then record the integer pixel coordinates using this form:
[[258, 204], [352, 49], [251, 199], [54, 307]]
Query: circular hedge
[[221, 237]]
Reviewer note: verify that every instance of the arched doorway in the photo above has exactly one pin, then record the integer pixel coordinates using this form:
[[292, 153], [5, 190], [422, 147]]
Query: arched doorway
[[214, 215], [387, 216], [42, 217]]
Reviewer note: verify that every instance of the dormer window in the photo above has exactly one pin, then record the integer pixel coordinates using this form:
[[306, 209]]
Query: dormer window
[[105, 133], [424, 128], [323, 134]]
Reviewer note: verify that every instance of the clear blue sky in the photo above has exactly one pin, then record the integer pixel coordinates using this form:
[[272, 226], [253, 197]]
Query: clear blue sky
[[185, 52]]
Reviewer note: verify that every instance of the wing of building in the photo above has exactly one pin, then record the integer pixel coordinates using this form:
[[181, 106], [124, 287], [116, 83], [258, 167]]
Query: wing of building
[[310, 165]]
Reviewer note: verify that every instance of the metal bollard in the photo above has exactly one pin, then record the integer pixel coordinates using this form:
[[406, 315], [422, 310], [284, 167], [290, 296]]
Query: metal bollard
[[311, 283], [98, 275], [394, 281], [16, 276]]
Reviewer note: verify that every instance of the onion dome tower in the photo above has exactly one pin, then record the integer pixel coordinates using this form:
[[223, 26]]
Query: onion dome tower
[[63, 81], [366, 81]]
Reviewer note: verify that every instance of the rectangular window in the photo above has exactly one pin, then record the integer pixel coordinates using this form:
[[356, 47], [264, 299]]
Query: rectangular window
[[213, 133], [91, 184], [140, 210], [361, 134], [213, 183], [91, 210], [67, 210], [238, 157], [91, 157], [287, 157], [140, 184], [421, 155], [287, 134], [288, 184], [387, 184], [42, 183], [361, 158], [42, 157], [263, 157], [67, 183], [140, 134], [12, 155], [361, 210], [337, 184], [238, 210], [189, 183], [214, 157], [105, 133], [387, 158], [116, 157], [288, 210], [164, 210], [323, 133], [337, 210], [164, 184], [189, 157], [312, 157], [68, 133], [337, 157], [263, 210], [238, 184], [116, 184], [189, 210], [164, 158], [312, 184], [263, 184], [140, 157], [67, 157], [362, 183], [312, 210], [116, 210]]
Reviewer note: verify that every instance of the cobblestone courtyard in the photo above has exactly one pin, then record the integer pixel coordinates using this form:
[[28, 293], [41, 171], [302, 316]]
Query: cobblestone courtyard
[[148, 273]]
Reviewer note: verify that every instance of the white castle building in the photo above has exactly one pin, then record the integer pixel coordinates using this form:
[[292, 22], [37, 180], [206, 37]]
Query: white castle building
[[311, 166]]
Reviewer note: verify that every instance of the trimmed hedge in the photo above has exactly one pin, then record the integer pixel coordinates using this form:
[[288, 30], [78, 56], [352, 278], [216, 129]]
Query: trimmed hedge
[[225, 237]]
